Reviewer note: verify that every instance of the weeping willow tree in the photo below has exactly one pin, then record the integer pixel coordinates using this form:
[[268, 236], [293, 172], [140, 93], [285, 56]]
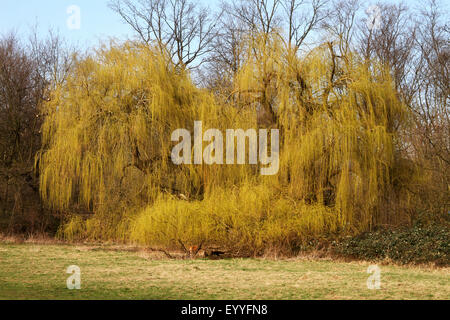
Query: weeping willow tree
[[107, 147], [339, 118], [107, 133]]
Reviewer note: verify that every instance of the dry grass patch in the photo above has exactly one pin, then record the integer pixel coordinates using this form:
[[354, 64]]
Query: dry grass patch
[[38, 272]]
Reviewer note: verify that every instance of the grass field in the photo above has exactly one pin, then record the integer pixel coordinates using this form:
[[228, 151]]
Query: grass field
[[31, 271]]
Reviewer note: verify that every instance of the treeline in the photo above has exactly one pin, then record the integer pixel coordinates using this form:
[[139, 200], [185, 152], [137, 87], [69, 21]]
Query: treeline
[[361, 102], [29, 70]]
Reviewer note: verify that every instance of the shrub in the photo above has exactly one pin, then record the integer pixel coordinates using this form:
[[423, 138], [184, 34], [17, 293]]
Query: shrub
[[419, 244], [247, 221]]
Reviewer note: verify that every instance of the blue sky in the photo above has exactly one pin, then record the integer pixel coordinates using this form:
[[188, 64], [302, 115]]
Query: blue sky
[[97, 21]]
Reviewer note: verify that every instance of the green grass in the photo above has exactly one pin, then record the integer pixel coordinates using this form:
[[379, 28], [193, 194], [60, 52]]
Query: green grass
[[30, 271]]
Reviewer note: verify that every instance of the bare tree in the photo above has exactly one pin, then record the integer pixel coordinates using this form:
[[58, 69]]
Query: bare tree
[[19, 129], [226, 59], [433, 98], [259, 16], [182, 28], [291, 20], [17, 104], [341, 24], [303, 17], [392, 41], [53, 58], [27, 72]]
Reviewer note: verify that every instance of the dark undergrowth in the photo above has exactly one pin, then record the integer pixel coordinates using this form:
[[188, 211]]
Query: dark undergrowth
[[417, 245]]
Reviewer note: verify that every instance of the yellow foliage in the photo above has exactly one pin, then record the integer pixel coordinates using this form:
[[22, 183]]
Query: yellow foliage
[[339, 121], [246, 219], [107, 147], [108, 130]]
